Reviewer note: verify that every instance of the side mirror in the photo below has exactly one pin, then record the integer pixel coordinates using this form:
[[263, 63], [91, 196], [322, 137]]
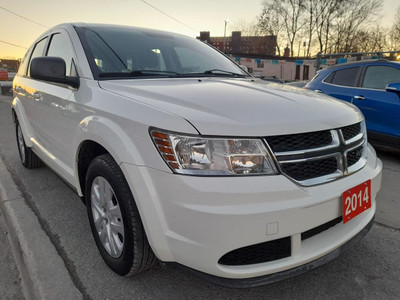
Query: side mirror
[[52, 69], [393, 87]]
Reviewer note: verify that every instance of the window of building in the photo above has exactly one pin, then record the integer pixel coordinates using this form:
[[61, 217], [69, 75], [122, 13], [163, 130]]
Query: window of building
[[377, 77], [260, 65]]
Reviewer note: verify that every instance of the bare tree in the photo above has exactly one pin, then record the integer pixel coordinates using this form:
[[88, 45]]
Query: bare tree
[[336, 25], [371, 40], [325, 11], [286, 15], [393, 39], [378, 39], [247, 28], [396, 24], [309, 7], [270, 23], [352, 17]]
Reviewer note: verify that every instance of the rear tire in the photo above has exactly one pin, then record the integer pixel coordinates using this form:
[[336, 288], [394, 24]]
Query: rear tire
[[28, 158], [114, 219]]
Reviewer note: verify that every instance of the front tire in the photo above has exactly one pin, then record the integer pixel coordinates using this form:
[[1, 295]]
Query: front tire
[[28, 158], [114, 219]]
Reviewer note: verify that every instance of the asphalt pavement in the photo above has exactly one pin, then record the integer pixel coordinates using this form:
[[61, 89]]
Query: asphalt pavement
[[58, 259]]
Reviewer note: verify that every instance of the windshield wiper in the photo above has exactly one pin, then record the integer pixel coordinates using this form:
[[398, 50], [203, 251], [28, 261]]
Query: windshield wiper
[[223, 73], [143, 73], [138, 73]]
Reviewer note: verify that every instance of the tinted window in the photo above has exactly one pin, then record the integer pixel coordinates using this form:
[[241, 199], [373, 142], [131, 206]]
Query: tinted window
[[345, 77], [330, 77], [38, 51], [59, 47], [377, 77]]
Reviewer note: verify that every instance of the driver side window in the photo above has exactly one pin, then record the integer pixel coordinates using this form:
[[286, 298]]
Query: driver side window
[[37, 52]]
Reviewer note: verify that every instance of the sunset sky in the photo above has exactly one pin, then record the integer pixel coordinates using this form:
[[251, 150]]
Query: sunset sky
[[194, 16]]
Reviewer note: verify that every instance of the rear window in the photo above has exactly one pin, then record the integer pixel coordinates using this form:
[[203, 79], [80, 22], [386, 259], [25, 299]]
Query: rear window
[[330, 77], [345, 77]]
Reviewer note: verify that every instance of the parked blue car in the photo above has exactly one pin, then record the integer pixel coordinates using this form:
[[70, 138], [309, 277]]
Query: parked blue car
[[374, 87]]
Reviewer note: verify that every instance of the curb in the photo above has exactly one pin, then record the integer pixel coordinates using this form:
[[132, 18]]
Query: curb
[[42, 270]]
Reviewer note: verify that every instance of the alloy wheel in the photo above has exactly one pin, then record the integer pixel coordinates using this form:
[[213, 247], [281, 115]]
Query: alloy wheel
[[107, 217]]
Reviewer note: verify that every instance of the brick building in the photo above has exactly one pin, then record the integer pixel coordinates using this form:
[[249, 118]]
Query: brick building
[[238, 44]]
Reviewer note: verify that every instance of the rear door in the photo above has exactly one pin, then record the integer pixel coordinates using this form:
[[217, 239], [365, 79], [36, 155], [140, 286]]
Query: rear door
[[24, 88], [380, 108], [340, 83]]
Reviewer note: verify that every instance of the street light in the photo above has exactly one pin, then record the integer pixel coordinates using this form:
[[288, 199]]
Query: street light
[[226, 23]]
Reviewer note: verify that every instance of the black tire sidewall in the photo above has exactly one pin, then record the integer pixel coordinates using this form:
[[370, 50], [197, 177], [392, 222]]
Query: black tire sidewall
[[30, 160], [102, 167], [25, 158]]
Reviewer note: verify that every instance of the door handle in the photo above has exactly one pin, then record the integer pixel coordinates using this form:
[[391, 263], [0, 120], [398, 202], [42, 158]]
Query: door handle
[[359, 97]]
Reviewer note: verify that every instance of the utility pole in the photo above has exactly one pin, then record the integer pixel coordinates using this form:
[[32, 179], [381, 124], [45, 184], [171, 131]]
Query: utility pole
[[226, 23]]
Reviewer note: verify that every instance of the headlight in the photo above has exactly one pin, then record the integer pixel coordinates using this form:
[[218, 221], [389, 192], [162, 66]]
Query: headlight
[[213, 156]]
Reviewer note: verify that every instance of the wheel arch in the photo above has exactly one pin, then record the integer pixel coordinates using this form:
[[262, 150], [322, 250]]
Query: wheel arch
[[97, 136], [17, 114], [87, 151]]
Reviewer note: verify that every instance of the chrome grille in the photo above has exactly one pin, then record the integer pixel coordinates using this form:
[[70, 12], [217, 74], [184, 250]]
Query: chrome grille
[[321, 156]]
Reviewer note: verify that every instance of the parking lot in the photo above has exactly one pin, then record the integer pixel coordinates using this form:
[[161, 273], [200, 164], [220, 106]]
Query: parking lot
[[370, 270]]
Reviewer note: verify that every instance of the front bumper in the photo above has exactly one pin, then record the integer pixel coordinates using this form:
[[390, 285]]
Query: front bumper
[[194, 221], [284, 275]]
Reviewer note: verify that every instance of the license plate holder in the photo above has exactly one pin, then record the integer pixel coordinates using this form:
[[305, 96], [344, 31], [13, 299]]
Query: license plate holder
[[356, 200]]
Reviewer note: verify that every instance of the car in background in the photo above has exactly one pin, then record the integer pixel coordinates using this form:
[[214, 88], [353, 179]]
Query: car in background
[[372, 86], [297, 83], [271, 79]]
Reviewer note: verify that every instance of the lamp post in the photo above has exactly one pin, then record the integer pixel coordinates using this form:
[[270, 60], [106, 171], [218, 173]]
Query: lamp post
[[226, 23]]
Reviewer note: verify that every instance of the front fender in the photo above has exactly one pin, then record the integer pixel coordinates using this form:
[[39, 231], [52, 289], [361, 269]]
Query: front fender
[[109, 135], [18, 113]]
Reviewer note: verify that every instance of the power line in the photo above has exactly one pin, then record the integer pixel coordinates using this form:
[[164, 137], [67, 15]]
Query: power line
[[13, 44], [159, 10], [11, 12]]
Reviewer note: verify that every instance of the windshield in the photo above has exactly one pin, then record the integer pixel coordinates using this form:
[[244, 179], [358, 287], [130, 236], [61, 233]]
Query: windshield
[[120, 52]]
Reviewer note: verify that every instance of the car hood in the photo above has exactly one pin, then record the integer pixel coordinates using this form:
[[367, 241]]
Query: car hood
[[238, 107]]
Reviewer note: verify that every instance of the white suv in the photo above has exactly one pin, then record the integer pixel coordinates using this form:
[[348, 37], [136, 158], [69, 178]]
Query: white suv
[[183, 157]]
